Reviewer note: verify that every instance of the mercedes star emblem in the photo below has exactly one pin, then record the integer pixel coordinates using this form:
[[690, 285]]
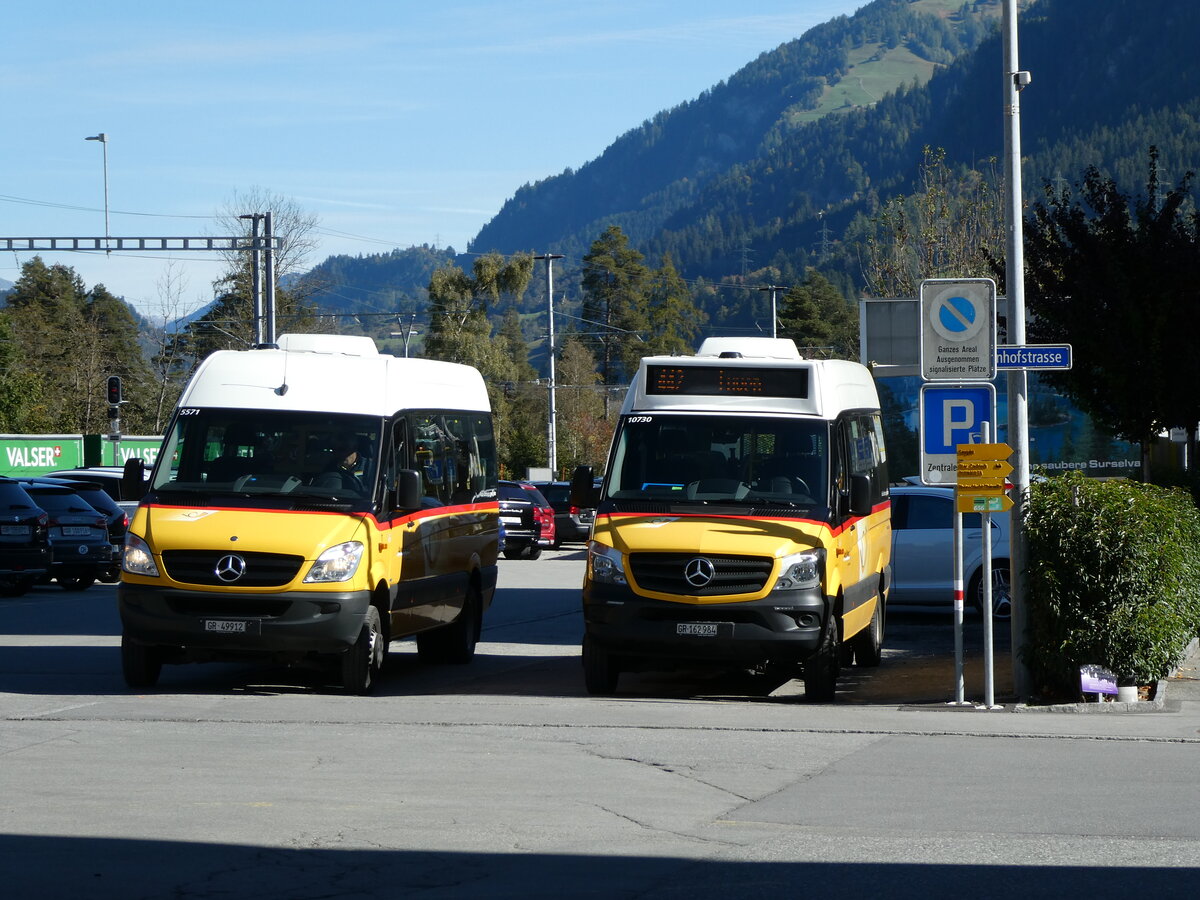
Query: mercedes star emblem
[[230, 568], [699, 572]]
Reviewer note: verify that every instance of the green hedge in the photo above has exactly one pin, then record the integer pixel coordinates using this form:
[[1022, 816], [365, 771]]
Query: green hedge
[[1114, 580]]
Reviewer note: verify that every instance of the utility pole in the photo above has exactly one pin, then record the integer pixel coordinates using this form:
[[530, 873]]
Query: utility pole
[[1018, 379], [408, 331], [269, 276], [256, 277], [552, 427], [773, 288]]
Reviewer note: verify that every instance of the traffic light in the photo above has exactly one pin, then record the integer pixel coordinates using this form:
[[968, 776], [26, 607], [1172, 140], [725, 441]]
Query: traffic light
[[114, 389]]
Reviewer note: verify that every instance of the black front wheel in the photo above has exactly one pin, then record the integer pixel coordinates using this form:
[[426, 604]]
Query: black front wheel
[[15, 587], [75, 582], [821, 670], [600, 669], [361, 664]]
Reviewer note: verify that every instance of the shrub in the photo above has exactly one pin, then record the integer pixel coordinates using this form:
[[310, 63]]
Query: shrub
[[1114, 580]]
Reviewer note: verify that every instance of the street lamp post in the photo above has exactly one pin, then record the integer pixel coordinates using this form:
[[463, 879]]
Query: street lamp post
[[552, 425], [103, 139]]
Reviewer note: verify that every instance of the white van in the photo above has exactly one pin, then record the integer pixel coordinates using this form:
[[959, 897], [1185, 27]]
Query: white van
[[314, 502], [743, 518]]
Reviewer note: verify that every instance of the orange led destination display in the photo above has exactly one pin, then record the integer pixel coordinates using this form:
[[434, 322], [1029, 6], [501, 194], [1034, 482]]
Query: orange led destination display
[[727, 381]]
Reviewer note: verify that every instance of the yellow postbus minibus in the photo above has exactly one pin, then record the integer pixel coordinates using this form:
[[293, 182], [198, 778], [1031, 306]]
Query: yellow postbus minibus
[[314, 501], [743, 519]]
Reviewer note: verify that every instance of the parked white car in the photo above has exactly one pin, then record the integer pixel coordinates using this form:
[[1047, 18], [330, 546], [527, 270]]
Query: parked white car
[[923, 551]]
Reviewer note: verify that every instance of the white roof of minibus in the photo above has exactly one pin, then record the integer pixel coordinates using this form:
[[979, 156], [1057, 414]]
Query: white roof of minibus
[[835, 385], [327, 372]]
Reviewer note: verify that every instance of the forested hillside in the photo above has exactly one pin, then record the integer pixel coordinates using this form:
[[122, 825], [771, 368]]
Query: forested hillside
[[786, 165]]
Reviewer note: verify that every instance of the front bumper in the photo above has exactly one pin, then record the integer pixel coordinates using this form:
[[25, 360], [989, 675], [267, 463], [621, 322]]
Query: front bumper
[[212, 624], [785, 627]]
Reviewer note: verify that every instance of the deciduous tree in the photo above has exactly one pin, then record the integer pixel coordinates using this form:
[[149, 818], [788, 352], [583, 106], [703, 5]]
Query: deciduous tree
[[1116, 277]]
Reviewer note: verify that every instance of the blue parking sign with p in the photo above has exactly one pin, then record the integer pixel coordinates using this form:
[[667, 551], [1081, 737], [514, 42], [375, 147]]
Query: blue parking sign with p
[[953, 414]]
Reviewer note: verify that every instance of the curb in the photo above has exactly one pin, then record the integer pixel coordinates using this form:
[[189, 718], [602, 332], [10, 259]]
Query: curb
[[1140, 706]]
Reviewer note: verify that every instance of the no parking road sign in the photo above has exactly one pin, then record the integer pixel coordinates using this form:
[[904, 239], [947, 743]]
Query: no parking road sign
[[952, 414], [958, 329]]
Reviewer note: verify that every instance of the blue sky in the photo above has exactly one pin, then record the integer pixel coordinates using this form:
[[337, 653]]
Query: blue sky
[[393, 123]]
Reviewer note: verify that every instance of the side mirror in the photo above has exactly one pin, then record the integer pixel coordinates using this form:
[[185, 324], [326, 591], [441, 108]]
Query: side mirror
[[408, 489], [584, 493], [860, 495], [133, 479]]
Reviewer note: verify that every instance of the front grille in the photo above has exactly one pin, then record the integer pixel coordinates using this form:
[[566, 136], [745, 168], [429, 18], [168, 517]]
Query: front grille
[[664, 573], [262, 569]]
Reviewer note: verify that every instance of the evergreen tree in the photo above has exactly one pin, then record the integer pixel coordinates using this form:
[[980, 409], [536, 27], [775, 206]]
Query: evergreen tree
[[674, 319], [817, 317], [68, 341], [615, 282]]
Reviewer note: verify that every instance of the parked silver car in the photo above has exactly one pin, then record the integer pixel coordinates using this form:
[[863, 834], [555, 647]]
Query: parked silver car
[[923, 551]]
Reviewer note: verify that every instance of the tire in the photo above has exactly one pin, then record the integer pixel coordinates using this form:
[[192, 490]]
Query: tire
[[823, 667], [868, 643], [533, 551], [600, 669], [15, 587], [75, 582], [140, 664], [513, 554], [454, 644], [1001, 591], [362, 663]]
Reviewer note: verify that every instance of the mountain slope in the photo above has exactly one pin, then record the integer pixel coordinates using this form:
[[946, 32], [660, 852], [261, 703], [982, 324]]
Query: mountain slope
[[660, 168], [771, 167]]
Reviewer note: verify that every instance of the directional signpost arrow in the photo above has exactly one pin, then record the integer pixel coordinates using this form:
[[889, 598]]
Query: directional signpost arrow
[[983, 476], [984, 468], [983, 451]]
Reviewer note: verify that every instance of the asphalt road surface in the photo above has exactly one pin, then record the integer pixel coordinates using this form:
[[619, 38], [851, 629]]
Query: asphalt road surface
[[502, 778]]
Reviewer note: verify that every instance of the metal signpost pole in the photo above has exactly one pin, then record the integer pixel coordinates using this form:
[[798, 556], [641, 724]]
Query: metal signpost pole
[[959, 686], [1018, 380], [985, 602]]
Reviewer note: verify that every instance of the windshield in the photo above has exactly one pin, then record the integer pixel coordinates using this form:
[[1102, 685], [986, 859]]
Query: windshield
[[722, 459], [315, 454]]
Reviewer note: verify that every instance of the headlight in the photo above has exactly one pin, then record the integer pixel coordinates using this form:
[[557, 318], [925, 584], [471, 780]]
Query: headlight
[[800, 571], [137, 559], [607, 564], [336, 564]]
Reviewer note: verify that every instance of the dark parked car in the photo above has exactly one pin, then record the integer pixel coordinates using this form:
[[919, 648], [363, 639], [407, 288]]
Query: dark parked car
[[572, 524], [528, 520], [98, 498], [108, 477], [79, 543], [24, 540]]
